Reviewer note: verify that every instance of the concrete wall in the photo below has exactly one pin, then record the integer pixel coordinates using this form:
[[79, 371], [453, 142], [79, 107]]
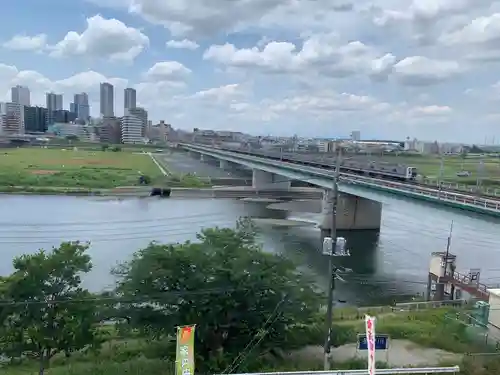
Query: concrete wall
[[353, 213]]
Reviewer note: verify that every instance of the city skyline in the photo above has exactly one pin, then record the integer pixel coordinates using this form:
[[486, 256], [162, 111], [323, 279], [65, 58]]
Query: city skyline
[[80, 103]]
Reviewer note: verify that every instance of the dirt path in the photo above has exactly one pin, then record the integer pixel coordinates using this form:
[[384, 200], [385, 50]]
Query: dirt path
[[401, 353]]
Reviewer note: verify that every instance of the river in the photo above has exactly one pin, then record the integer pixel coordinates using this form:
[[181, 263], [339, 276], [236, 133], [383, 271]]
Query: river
[[388, 265]]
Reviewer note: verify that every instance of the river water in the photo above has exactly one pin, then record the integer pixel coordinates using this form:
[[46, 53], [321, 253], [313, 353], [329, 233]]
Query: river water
[[386, 265]]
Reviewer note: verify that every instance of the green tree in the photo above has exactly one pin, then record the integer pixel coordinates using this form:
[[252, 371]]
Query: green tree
[[43, 308], [105, 147], [254, 293]]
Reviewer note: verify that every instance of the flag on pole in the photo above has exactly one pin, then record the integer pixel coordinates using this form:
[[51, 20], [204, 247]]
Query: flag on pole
[[370, 340], [184, 359]]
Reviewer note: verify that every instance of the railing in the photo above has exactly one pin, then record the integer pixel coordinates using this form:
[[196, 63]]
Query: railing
[[460, 198], [439, 194], [467, 280], [463, 187], [382, 371]]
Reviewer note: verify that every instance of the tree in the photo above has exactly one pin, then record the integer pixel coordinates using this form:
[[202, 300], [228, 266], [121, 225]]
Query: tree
[[253, 293], [44, 309]]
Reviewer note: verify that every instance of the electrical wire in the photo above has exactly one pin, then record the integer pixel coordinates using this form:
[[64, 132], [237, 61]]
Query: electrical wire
[[132, 299], [62, 224], [255, 339]]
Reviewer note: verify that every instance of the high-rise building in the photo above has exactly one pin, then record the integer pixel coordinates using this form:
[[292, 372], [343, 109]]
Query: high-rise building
[[21, 95], [130, 98], [54, 102], [107, 103], [35, 119], [11, 118], [355, 135], [80, 106], [131, 129], [142, 114]]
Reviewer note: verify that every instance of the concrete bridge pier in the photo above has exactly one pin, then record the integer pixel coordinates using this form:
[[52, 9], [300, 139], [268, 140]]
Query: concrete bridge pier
[[226, 165], [266, 180], [353, 213]]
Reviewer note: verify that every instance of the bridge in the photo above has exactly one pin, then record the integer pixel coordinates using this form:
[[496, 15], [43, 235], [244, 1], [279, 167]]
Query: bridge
[[361, 198]]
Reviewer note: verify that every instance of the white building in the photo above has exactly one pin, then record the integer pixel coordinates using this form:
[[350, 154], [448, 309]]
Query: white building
[[356, 135], [131, 129], [140, 113], [11, 118], [83, 132], [21, 95]]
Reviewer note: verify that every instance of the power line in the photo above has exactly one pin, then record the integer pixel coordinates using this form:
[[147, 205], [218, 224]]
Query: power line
[[126, 231], [255, 339], [155, 223], [132, 299], [99, 223]]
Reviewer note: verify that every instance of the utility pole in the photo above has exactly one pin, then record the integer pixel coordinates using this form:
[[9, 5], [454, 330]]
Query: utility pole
[[332, 247], [440, 178]]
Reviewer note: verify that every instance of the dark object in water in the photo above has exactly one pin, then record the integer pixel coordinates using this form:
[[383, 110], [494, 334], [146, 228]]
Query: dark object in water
[[160, 192]]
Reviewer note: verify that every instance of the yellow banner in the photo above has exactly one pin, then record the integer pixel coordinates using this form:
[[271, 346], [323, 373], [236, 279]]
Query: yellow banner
[[184, 360]]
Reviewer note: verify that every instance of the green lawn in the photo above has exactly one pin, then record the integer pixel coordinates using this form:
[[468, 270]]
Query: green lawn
[[429, 166], [38, 167]]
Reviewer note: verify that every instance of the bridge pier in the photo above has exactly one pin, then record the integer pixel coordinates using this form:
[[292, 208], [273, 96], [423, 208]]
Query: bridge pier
[[224, 164], [353, 213], [266, 180]]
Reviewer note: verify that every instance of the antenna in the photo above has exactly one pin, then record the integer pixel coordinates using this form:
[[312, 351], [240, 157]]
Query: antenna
[[448, 246]]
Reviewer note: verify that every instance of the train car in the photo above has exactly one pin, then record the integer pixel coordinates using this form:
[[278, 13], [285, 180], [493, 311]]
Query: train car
[[374, 169]]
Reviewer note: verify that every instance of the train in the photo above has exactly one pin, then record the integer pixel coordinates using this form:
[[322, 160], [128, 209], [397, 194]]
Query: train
[[371, 168]]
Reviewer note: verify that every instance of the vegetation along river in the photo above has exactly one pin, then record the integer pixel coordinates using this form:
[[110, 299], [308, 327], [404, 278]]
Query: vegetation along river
[[385, 266]]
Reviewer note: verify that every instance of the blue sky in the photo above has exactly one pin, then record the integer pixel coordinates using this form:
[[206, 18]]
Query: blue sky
[[389, 68]]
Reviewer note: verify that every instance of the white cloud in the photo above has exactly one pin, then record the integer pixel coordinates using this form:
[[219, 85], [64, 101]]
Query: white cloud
[[419, 70], [205, 18], [323, 54], [167, 71], [103, 38], [27, 43], [183, 44]]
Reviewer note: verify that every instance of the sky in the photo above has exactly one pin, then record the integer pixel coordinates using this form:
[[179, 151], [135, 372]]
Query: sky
[[428, 69]]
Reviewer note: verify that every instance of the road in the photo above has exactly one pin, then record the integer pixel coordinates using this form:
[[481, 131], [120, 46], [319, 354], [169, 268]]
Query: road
[[181, 162]]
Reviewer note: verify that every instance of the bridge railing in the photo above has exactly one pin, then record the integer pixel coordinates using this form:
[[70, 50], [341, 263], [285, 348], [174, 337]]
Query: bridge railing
[[489, 204], [440, 194]]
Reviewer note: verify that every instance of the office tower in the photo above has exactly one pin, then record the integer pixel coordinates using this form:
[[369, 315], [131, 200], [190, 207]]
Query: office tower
[[35, 119], [107, 100], [81, 106], [54, 102], [20, 95], [130, 98], [11, 118]]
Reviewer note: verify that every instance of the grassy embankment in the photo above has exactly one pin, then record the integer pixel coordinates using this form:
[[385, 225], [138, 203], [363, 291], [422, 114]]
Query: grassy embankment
[[50, 171], [134, 355], [430, 165]]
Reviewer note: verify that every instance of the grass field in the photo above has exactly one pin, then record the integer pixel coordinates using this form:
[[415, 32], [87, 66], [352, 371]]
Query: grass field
[[429, 166], [38, 167]]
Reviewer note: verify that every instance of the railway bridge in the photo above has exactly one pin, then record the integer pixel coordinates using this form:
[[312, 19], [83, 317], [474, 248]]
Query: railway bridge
[[361, 197]]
